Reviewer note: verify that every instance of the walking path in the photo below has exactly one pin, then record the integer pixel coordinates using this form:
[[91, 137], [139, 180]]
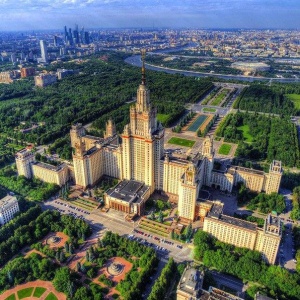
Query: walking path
[[38, 283]]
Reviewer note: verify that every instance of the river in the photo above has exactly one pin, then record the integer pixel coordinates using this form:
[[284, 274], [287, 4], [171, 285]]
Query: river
[[135, 60]]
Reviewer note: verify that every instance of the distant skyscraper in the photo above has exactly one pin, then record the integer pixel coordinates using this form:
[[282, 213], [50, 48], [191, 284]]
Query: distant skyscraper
[[55, 41], [65, 34], [70, 36], [44, 52], [86, 37]]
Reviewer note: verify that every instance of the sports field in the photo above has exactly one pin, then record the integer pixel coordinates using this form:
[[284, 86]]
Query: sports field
[[181, 142], [197, 123]]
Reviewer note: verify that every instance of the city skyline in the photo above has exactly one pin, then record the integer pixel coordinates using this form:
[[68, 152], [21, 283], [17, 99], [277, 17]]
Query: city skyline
[[44, 14]]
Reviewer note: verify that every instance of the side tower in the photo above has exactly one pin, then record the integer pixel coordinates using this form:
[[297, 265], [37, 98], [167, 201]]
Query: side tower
[[274, 177], [188, 192], [77, 130], [268, 238], [110, 129], [24, 159], [208, 160], [143, 140]]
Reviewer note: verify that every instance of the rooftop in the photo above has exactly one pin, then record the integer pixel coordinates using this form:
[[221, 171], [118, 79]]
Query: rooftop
[[50, 167], [7, 201], [216, 211], [131, 191], [230, 220], [248, 170], [191, 281], [216, 294]]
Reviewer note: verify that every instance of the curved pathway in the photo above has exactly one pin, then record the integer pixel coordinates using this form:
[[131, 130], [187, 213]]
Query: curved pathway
[[38, 283]]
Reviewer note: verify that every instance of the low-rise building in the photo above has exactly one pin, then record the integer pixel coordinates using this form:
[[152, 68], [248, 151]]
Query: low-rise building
[[29, 167], [128, 196], [190, 284], [245, 234], [8, 208], [9, 76], [49, 173], [27, 72], [43, 80]]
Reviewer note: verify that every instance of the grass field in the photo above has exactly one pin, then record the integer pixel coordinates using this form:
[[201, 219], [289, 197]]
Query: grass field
[[25, 293], [295, 98], [225, 149], [38, 292], [51, 296], [11, 297], [219, 98], [197, 123], [246, 134], [181, 142], [208, 109], [162, 117]]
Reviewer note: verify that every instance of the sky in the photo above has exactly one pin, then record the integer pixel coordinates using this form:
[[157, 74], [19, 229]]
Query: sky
[[54, 14]]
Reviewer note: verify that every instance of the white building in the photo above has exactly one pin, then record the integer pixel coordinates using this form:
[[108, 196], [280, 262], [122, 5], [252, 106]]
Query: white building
[[8, 207]]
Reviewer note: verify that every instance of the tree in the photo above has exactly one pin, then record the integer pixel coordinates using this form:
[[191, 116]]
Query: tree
[[87, 255], [62, 256], [78, 266], [62, 279], [160, 217], [71, 249], [82, 294], [189, 233], [160, 204], [67, 247]]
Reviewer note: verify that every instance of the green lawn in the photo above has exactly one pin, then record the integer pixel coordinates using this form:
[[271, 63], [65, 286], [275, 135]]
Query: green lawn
[[162, 117], [225, 149], [39, 291], [11, 297], [219, 98], [246, 134], [208, 109], [51, 296], [181, 142], [25, 293], [295, 98]]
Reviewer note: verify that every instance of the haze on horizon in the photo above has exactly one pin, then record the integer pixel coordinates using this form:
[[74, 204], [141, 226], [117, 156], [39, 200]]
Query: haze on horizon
[[26, 15]]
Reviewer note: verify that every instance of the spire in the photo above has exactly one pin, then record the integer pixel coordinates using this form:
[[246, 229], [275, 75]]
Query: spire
[[143, 53]]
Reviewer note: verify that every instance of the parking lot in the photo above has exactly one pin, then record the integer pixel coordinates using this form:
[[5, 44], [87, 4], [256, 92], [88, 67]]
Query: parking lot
[[74, 211], [115, 222]]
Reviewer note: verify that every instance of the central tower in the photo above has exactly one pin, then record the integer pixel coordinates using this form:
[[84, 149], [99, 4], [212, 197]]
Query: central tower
[[143, 140]]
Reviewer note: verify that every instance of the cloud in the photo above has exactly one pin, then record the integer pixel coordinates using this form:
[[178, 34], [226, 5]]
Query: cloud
[[40, 14]]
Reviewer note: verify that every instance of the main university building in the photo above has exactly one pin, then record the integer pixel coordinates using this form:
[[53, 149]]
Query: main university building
[[137, 159]]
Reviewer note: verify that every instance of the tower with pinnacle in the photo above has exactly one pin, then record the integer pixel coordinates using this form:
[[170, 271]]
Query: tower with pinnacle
[[143, 140]]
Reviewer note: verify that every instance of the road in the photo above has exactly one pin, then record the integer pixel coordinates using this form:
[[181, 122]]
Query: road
[[136, 61]]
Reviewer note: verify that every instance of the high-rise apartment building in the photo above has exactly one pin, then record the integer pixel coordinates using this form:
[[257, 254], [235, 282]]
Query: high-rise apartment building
[[44, 51]]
